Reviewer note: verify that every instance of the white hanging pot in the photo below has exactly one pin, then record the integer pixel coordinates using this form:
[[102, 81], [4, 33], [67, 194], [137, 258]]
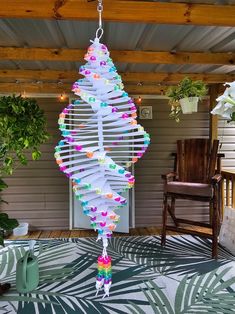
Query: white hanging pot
[[189, 104]]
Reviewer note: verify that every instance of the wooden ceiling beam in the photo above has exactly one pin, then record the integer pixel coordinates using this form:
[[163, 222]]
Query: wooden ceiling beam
[[122, 11], [146, 77], [125, 56], [54, 88]]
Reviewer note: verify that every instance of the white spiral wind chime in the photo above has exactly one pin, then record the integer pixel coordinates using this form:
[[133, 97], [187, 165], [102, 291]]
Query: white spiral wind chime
[[101, 139]]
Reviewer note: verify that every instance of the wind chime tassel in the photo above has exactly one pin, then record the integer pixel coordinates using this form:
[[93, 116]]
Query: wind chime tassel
[[104, 276]]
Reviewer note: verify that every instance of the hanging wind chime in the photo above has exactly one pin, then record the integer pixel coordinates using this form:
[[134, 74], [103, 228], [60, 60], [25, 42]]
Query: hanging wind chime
[[101, 139]]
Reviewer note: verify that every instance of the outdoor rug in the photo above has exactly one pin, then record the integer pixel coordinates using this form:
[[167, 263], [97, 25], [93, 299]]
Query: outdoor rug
[[181, 278]]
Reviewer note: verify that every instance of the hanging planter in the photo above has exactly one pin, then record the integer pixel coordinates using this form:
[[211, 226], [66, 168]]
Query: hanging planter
[[189, 104], [187, 94]]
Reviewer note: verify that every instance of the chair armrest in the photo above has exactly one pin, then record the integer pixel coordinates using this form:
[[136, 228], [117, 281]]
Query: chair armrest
[[169, 175], [216, 179]]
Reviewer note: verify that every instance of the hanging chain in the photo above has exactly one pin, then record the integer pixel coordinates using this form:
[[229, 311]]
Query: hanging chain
[[100, 10]]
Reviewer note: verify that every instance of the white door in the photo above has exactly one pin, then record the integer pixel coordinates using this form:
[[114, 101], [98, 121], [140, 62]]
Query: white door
[[81, 221]]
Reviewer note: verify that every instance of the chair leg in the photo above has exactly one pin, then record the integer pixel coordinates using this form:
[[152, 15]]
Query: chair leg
[[171, 210], [215, 222], [164, 220]]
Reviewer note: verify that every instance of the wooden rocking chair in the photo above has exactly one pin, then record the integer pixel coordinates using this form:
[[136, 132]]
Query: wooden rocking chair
[[194, 178]]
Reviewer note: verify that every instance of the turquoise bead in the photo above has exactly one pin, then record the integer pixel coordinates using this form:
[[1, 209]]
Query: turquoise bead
[[121, 171]]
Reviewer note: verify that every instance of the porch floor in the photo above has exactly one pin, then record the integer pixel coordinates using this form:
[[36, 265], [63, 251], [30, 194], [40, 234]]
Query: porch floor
[[141, 231]]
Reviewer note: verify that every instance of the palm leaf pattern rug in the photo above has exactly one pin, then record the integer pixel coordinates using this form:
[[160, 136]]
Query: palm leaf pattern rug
[[181, 278]]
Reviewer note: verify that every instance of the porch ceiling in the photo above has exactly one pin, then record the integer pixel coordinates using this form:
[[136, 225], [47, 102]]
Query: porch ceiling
[[216, 64]]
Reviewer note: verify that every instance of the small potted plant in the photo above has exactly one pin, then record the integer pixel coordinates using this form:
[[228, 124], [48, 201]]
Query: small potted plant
[[187, 93]]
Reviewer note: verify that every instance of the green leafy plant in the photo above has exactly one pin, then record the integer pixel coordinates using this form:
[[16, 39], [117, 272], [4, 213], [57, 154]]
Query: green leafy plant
[[6, 224], [22, 130], [186, 88], [175, 112]]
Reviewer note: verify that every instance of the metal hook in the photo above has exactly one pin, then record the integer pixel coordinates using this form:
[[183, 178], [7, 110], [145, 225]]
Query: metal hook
[[100, 29]]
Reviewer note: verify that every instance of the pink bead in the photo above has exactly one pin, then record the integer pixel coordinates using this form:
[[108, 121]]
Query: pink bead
[[63, 168], [78, 147], [87, 72], [125, 115], [100, 259], [104, 214], [92, 58], [117, 199], [103, 224], [70, 139], [133, 108], [139, 154]]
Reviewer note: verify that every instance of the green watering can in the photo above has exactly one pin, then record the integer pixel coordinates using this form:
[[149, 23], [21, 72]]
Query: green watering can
[[27, 271]]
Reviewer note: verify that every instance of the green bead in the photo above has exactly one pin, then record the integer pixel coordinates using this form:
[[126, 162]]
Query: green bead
[[79, 196], [112, 166], [91, 99], [87, 186]]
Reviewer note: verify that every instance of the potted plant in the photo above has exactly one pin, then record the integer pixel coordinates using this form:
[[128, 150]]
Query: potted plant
[[22, 130], [187, 93]]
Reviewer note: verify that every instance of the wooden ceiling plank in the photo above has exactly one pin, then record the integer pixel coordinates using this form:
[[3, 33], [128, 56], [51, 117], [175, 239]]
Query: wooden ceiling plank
[[126, 56], [127, 77], [122, 11], [53, 88]]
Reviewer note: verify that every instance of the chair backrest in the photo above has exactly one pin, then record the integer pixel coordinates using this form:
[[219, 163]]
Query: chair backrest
[[196, 160]]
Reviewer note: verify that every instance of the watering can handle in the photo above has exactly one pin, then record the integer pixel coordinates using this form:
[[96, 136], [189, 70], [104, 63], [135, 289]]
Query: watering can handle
[[25, 268]]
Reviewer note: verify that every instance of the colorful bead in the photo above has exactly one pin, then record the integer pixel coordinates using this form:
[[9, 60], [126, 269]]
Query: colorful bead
[[78, 147], [112, 166], [90, 154], [114, 109], [103, 104], [121, 171]]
